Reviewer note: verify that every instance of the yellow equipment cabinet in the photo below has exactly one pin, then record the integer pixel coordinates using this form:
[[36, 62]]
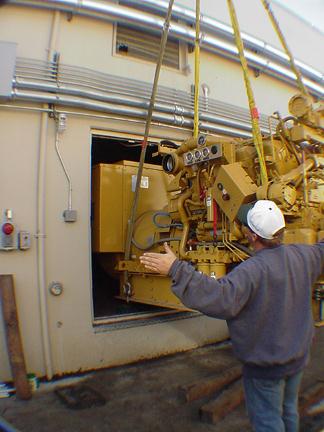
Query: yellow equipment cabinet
[[112, 196], [154, 290]]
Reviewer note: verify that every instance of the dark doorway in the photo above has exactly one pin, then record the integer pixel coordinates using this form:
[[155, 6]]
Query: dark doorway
[[105, 288]]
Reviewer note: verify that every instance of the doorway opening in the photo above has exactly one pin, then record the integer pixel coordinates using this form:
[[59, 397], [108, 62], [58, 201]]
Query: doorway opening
[[105, 286]]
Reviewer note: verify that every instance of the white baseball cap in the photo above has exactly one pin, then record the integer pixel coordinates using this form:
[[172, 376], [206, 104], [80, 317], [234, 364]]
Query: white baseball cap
[[265, 219]]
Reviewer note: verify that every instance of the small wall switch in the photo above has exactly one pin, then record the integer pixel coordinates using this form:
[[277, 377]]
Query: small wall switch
[[70, 215], [23, 240], [8, 236]]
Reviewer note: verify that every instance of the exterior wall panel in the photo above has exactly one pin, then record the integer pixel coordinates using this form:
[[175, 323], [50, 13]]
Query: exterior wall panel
[[29, 28], [74, 343], [19, 142]]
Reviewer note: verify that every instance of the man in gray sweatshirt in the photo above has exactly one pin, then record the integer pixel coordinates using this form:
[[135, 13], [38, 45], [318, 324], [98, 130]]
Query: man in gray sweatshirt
[[266, 301]]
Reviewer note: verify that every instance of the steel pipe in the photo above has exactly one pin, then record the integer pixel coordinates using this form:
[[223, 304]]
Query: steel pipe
[[40, 217], [35, 71], [124, 111], [138, 19], [219, 28], [126, 101]]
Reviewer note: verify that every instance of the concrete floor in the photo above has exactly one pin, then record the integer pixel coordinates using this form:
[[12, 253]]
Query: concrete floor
[[146, 397]]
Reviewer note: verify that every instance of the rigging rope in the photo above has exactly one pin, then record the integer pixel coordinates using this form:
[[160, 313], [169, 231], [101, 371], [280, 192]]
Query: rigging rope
[[197, 71], [275, 25], [257, 137], [130, 227]]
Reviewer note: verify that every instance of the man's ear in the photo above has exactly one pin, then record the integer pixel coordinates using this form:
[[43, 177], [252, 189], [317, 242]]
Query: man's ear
[[250, 235], [254, 237]]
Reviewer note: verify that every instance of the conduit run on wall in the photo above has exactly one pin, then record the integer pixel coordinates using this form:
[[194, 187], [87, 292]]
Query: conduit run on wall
[[45, 82], [270, 61]]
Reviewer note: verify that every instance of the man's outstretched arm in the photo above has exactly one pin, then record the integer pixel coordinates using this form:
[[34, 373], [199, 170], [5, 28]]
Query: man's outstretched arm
[[222, 298]]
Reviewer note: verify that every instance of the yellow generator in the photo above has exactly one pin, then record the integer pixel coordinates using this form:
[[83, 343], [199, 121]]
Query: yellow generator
[[192, 202]]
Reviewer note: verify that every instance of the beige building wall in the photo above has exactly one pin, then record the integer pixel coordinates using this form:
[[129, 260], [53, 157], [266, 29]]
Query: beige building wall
[[74, 343], [305, 41]]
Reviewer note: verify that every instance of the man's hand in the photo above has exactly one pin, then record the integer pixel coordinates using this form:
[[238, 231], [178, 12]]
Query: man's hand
[[159, 262]]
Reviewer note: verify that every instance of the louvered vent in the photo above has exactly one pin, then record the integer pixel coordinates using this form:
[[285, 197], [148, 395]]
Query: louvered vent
[[145, 46]]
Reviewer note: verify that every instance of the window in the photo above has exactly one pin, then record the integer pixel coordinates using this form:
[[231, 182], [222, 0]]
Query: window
[[146, 46]]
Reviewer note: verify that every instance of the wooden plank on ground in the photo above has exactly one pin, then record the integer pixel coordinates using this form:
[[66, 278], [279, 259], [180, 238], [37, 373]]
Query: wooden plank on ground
[[227, 401], [14, 344], [206, 386]]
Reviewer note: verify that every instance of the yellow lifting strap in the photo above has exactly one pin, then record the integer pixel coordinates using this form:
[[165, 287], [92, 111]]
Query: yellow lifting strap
[[197, 71], [257, 137], [275, 25]]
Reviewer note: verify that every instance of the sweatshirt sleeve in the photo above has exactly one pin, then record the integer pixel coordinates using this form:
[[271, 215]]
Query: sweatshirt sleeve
[[220, 298], [317, 257], [313, 256], [320, 252]]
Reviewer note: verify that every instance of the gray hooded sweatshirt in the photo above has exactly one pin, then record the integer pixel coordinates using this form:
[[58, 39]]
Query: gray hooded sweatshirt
[[266, 301]]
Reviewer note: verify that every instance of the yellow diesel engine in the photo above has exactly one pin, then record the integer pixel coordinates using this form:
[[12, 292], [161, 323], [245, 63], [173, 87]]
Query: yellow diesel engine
[[198, 192]]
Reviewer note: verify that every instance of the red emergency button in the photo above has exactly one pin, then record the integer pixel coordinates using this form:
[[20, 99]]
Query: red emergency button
[[7, 228]]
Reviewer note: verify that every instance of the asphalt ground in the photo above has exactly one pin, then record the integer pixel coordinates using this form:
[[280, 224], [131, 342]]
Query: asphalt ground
[[145, 397]]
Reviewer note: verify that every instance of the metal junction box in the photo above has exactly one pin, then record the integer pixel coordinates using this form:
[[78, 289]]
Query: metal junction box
[[233, 187], [7, 67]]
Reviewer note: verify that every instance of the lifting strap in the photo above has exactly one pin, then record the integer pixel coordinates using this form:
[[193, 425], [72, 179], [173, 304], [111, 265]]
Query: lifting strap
[[257, 137], [275, 25]]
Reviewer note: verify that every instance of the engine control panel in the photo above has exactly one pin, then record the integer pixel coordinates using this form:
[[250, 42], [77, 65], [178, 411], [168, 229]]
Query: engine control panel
[[203, 154]]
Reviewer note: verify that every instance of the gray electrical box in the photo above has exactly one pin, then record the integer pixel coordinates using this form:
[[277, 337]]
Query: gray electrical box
[[70, 215], [7, 67], [23, 240]]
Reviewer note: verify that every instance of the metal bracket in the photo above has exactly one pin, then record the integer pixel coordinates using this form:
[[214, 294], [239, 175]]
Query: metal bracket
[[127, 288]]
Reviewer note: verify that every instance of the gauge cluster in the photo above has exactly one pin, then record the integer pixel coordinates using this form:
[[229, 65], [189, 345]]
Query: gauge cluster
[[203, 154]]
